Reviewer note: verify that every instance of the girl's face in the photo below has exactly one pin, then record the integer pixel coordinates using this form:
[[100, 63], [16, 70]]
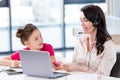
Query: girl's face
[[86, 24], [35, 41]]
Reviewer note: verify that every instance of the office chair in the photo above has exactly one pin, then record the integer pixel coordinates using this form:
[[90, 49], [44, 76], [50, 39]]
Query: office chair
[[115, 72]]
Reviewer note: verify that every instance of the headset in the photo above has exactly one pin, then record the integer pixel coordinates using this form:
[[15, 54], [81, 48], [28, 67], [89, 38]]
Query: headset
[[96, 22]]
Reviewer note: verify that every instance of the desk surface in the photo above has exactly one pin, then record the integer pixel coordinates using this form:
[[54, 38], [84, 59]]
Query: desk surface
[[72, 76]]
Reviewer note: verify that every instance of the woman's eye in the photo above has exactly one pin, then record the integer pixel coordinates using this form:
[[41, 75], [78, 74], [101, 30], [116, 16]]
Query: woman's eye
[[80, 20], [85, 20]]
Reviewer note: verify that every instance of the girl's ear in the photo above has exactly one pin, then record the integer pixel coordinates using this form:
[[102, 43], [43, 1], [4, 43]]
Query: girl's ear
[[26, 43]]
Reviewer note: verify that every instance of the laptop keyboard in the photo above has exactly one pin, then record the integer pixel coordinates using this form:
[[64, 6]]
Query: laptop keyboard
[[60, 73]]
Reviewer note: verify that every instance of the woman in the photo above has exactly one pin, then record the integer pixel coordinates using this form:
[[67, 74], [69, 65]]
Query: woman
[[95, 52], [31, 37]]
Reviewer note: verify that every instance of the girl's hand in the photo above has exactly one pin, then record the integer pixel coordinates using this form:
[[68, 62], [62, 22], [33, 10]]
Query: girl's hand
[[56, 65], [15, 63]]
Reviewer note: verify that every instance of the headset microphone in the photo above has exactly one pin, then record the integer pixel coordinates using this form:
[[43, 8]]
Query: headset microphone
[[80, 32]]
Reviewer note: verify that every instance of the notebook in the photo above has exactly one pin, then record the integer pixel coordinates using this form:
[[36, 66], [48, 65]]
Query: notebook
[[38, 63], [13, 70]]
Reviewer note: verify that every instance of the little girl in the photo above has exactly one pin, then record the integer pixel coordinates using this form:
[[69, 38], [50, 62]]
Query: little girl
[[31, 37]]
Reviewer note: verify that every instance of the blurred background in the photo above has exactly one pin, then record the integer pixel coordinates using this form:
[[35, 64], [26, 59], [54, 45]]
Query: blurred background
[[55, 19]]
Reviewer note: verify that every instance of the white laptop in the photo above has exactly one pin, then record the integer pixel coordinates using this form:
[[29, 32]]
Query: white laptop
[[38, 63]]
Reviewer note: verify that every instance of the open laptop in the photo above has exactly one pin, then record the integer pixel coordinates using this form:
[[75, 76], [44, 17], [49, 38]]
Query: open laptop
[[38, 63]]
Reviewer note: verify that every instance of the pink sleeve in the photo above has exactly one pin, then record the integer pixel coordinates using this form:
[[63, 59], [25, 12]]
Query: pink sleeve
[[51, 50], [15, 56]]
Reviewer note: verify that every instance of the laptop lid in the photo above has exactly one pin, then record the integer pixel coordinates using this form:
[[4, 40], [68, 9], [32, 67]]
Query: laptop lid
[[37, 63]]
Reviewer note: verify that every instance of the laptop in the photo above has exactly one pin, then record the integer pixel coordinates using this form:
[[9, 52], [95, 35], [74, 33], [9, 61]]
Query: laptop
[[38, 63]]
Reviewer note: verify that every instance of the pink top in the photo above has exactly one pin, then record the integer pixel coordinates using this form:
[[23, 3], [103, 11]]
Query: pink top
[[46, 47]]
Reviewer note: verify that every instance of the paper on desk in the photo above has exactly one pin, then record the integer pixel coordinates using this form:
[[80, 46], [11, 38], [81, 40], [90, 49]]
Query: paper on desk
[[18, 69], [1, 69]]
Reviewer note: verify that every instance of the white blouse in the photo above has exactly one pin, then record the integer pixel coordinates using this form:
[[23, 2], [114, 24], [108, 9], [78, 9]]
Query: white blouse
[[102, 63]]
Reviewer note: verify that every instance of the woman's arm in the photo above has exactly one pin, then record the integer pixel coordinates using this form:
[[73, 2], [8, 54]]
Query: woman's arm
[[75, 67], [105, 66]]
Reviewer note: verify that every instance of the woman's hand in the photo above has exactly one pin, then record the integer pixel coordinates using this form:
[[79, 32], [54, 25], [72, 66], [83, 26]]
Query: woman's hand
[[69, 67]]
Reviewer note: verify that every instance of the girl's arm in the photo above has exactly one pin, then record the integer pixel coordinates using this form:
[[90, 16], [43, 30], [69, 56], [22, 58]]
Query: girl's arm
[[7, 61]]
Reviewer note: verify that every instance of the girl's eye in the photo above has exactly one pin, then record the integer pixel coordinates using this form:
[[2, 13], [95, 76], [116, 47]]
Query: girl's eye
[[40, 35], [36, 38]]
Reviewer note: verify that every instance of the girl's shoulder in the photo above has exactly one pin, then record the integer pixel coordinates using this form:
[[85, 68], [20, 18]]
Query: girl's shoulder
[[47, 45], [26, 48]]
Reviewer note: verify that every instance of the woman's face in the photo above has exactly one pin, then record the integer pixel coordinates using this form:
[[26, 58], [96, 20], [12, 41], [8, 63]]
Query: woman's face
[[35, 41], [86, 24]]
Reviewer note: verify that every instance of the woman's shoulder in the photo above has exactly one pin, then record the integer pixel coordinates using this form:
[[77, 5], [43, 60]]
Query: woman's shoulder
[[109, 42], [110, 45]]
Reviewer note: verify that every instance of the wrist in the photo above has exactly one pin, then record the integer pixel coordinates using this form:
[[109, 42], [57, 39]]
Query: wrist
[[12, 63]]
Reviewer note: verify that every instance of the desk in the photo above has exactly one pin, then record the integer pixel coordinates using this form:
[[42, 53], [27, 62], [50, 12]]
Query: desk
[[73, 76]]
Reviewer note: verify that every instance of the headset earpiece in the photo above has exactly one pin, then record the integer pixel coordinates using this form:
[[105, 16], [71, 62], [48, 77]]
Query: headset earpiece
[[96, 22]]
